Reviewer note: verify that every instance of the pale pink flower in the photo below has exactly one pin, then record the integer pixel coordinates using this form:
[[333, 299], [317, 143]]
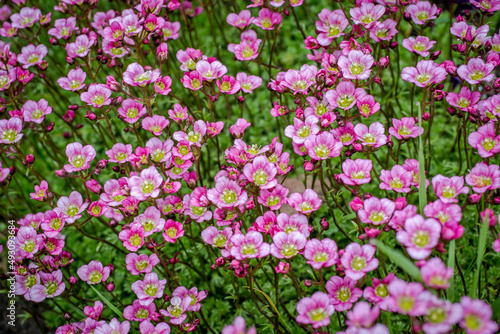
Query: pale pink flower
[[422, 11], [146, 185], [397, 179], [447, 189], [406, 298], [50, 286], [176, 310], [228, 85], [93, 273], [330, 27], [356, 65], [210, 71], [376, 211], [170, 30], [137, 264], [483, 177], [315, 310], [419, 45], [267, 19], [31, 55], [28, 242], [323, 146], [419, 236], [383, 31], [321, 253], [136, 75], [98, 95], [449, 215], [286, 246], [227, 194], [172, 231], [405, 128], [132, 237], [301, 130], [358, 260], [74, 81], [241, 20], [70, 208], [113, 327], [36, 111], [273, 198], [356, 172], [435, 274], [342, 292], [487, 5], [81, 46], [476, 71], [248, 82], [440, 315], [131, 110], [485, 140], [155, 124], [425, 74], [367, 14], [79, 157], [305, 203], [249, 246], [239, 326], [26, 17], [196, 297], [212, 236], [192, 80], [345, 95], [367, 105], [63, 28], [477, 317], [149, 289]]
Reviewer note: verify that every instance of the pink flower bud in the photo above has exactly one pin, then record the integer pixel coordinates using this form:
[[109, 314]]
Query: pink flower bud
[[308, 166], [400, 203], [356, 204], [30, 158]]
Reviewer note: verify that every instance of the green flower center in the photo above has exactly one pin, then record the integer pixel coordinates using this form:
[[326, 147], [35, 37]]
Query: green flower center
[[419, 46], [132, 112], [260, 177], [406, 303], [33, 58], [358, 263], [29, 281], [381, 291], [151, 289], [423, 77], [317, 314], [29, 245], [228, 196], [135, 240], [198, 210], [248, 249], [148, 225], [247, 53], [51, 288], [98, 99], [343, 294], [55, 223], [345, 100], [448, 192], [95, 277], [358, 175], [477, 75], [157, 155], [422, 15], [489, 144], [320, 257], [376, 217], [289, 250], [72, 210], [368, 18], [420, 239], [266, 22], [356, 68], [473, 322], [225, 86], [172, 232], [142, 313], [175, 310], [396, 183], [273, 200], [404, 130], [333, 30], [147, 186], [74, 84], [141, 265], [220, 240], [322, 150], [78, 161]]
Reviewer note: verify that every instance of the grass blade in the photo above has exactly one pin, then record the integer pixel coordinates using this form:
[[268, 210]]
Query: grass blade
[[422, 194], [451, 264], [483, 235], [107, 302], [269, 300], [399, 259]]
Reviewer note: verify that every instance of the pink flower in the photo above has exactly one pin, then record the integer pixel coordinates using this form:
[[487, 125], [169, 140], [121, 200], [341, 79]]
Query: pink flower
[[146, 185], [228, 85], [397, 179], [113, 327], [305, 203], [139, 312], [376, 211], [356, 172], [248, 82], [419, 236], [79, 157], [447, 189], [70, 208], [476, 71], [74, 81], [176, 310], [131, 110], [172, 231], [170, 30], [345, 134], [249, 246], [149, 288], [132, 237], [367, 14], [483, 177], [295, 222], [93, 273], [487, 5], [97, 208], [301, 130], [425, 74], [275, 198], [363, 316], [406, 298], [321, 253], [35, 111], [342, 292], [261, 172], [241, 20], [449, 215], [32, 55], [315, 310], [95, 311], [119, 153], [162, 85], [331, 26], [151, 221], [383, 31], [63, 28], [98, 95], [227, 194], [81, 46], [239, 325], [40, 193], [138, 264], [419, 45], [477, 317], [26, 17], [210, 71], [212, 236], [300, 81], [367, 105], [51, 286], [267, 19], [286, 246], [323, 146], [378, 293], [345, 95], [6, 78], [238, 128], [155, 124], [248, 48], [373, 136], [435, 274], [464, 99], [28, 242], [440, 314], [356, 65], [405, 128], [422, 12], [358, 260], [485, 140], [136, 75], [192, 80], [193, 293]]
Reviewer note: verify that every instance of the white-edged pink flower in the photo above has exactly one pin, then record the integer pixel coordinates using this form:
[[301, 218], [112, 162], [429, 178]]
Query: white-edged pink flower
[[419, 236], [93, 273]]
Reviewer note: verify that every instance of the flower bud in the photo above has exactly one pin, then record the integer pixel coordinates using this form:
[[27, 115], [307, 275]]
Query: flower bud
[[357, 204], [30, 158], [72, 280], [110, 287]]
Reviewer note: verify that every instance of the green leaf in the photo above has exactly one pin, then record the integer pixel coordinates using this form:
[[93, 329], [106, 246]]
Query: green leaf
[[483, 235], [496, 307], [399, 259], [422, 195], [274, 308], [451, 264], [107, 302]]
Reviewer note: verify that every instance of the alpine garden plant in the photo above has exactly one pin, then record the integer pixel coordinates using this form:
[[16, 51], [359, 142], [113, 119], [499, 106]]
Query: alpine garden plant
[[157, 186]]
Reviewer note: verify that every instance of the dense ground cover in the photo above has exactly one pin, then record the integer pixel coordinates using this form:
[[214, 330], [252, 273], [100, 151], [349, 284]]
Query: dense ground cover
[[292, 166]]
